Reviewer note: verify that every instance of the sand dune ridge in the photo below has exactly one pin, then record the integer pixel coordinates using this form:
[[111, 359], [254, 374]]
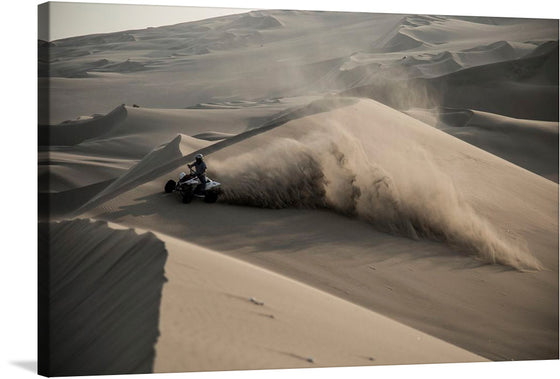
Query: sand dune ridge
[[75, 132], [108, 280]]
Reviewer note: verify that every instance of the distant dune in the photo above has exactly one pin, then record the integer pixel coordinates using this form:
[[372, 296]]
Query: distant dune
[[520, 88], [73, 132], [527, 143]]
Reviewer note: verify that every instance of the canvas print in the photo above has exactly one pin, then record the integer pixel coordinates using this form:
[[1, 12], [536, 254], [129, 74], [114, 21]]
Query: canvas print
[[225, 189]]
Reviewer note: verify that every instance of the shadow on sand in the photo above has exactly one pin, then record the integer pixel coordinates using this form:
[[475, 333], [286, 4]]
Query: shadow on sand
[[99, 299]]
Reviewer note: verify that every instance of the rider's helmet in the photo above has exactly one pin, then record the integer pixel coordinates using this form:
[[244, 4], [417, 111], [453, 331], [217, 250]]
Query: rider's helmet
[[198, 157]]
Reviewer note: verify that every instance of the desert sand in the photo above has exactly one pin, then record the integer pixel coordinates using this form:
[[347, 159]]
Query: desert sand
[[390, 189]]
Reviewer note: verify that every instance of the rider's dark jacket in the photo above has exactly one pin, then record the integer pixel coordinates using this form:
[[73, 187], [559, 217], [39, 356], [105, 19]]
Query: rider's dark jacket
[[199, 167]]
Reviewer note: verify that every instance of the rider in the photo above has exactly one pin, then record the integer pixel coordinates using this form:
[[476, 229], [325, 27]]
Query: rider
[[200, 169]]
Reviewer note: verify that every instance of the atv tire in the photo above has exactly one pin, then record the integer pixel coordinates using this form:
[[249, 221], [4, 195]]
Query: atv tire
[[169, 186], [187, 196], [211, 197]]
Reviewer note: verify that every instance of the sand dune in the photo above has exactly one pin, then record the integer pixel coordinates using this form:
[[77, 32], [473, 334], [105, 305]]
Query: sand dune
[[267, 320], [495, 52], [492, 228], [521, 88], [58, 205], [137, 135], [110, 281], [276, 66], [162, 159], [527, 143], [462, 30], [247, 317], [384, 170], [302, 58], [74, 132], [531, 96], [60, 171], [466, 42], [355, 168]]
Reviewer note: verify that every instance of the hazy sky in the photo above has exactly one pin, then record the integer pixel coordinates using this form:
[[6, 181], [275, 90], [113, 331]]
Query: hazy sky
[[73, 19], [76, 19]]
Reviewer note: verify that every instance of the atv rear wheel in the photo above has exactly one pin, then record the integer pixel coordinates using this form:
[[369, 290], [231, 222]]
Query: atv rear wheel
[[169, 186], [211, 197], [187, 196]]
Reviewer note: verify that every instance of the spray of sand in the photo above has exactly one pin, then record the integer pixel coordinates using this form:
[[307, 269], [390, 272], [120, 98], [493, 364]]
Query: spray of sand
[[331, 170]]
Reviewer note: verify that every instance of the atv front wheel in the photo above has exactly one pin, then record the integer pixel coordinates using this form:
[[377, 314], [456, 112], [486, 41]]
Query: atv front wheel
[[169, 186], [211, 197]]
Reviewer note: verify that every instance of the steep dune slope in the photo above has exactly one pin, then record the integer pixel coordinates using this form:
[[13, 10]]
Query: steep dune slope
[[100, 292]]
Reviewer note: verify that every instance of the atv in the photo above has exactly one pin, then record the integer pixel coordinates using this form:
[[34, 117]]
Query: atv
[[188, 187]]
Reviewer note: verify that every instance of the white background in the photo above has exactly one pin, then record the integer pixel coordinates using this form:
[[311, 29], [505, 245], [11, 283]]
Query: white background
[[18, 145]]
